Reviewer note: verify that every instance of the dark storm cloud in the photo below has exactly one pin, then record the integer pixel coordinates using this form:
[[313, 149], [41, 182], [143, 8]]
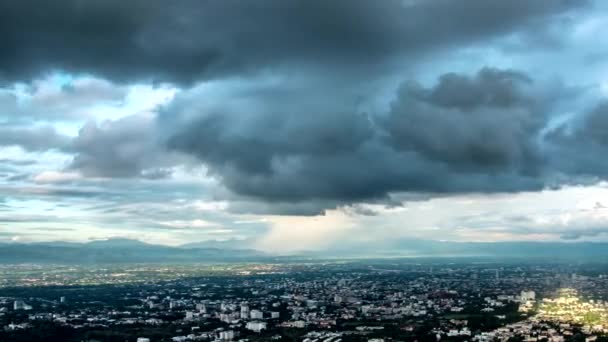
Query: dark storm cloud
[[187, 41], [578, 147], [484, 123], [465, 134], [286, 133]]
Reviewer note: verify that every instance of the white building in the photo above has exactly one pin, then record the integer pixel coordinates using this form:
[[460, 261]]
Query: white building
[[256, 326], [256, 314], [527, 296], [143, 339], [226, 335]]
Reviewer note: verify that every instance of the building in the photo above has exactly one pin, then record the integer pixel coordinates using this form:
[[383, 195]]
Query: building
[[274, 314], [226, 335], [244, 311], [527, 296], [20, 305], [143, 339], [256, 326], [256, 314]]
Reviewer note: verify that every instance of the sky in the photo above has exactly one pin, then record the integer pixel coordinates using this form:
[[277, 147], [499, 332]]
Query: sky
[[303, 125]]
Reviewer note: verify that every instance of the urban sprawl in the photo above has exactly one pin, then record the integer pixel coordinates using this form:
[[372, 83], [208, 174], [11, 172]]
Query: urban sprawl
[[337, 301]]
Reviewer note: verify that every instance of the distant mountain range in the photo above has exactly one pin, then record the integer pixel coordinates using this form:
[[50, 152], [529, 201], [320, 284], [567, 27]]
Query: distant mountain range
[[558, 251], [120, 250]]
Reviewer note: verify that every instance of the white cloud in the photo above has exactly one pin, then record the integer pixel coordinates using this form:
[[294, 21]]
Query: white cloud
[[56, 177]]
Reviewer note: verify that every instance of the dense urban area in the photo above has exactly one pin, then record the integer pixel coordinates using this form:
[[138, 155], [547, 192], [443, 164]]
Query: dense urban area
[[333, 301]]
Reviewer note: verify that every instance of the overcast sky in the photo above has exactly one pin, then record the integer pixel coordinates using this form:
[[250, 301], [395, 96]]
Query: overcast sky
[[302, 125]]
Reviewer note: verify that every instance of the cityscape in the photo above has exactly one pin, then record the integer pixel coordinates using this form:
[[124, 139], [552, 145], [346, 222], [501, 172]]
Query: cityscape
[[372, 300]]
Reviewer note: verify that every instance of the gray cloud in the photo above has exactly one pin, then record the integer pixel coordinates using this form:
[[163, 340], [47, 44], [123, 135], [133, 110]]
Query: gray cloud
[[123, 148], [192, 40], [465, 134], [17, 162], [586, 233], [55, 192], [579, 145], [482, 132], [483, 123], [45, 100], [277, 98], [32, 138]]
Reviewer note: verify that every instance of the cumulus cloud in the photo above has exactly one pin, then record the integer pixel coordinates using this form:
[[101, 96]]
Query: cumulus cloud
[[126, 147], [487, 122], [467, 133]]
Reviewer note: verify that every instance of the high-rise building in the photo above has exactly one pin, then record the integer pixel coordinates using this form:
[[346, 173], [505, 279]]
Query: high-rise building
[[244, 310]]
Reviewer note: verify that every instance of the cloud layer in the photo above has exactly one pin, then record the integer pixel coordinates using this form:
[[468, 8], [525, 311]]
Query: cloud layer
[[263, 113]]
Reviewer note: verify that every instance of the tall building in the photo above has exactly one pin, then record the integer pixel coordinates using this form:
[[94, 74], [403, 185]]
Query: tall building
[[244, 310]]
